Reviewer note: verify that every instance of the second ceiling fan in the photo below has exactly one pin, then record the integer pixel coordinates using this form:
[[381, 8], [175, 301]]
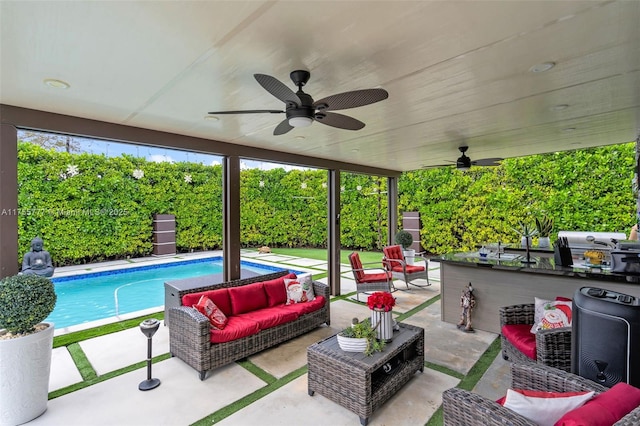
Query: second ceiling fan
[[464, 163], [301, 110]]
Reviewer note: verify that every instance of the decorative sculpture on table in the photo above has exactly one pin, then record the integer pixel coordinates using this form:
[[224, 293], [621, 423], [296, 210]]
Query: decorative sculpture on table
[[467, 303], [37, 261]]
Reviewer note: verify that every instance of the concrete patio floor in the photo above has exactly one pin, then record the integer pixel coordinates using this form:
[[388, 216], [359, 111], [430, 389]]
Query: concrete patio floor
[[281, 398]]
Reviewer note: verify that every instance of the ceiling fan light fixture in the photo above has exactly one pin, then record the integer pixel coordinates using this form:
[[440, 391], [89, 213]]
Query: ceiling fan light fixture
[[300, 121]]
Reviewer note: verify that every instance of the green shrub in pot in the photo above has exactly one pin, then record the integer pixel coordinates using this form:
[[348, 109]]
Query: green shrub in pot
[[25, 301], [404, 238], [25, 346]]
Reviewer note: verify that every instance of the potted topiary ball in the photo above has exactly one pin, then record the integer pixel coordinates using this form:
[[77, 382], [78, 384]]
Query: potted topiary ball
[[25, 346], [405, 239]]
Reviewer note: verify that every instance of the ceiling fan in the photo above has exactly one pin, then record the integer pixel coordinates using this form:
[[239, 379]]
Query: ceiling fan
[[302, 110], [464, 163]]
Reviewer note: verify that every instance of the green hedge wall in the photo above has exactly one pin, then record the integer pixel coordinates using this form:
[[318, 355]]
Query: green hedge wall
[[91, 207], [584, 190]]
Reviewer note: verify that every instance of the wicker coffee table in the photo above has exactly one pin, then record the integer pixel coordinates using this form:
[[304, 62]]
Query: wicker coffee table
[[359, 382]]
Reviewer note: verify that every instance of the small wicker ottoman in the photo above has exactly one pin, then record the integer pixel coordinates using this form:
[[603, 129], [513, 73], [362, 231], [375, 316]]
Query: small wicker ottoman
[[363, 383]]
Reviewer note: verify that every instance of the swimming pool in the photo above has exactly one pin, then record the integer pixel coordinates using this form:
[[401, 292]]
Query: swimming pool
[[100, 295]]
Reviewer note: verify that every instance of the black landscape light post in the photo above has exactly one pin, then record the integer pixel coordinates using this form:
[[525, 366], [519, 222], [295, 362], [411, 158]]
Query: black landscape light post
[[149, 328]]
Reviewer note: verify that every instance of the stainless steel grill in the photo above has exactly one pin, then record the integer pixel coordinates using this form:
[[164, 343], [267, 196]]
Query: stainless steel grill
[[580, 241]]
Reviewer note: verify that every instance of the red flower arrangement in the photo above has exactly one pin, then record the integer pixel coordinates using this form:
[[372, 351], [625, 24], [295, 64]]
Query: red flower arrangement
[[381, 300]]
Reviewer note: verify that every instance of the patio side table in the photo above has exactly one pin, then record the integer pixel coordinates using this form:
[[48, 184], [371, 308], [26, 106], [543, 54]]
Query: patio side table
[[359, 382]]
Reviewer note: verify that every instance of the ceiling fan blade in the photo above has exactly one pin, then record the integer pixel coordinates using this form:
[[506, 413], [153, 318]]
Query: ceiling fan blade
[[338, 120], [277, 89], [487, 162], [352, 99], [282, 128], [247, 111]]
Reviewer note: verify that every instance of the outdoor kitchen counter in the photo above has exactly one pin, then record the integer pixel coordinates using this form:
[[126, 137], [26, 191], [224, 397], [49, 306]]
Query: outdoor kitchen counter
[[509, 281]]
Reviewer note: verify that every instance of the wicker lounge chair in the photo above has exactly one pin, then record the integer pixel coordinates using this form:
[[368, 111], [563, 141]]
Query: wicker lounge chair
[[553, 347], [464, 408], [380, 280]]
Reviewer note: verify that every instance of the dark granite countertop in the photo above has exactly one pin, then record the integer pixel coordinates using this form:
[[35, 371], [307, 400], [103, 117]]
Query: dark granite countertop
[[541, 265]]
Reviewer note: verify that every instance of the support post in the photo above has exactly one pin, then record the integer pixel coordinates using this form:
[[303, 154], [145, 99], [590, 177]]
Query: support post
[[231, 218], [9, 257], [333, 225]]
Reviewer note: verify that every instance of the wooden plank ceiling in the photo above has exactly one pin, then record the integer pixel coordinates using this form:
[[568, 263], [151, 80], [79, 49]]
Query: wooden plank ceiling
[[457, 72]]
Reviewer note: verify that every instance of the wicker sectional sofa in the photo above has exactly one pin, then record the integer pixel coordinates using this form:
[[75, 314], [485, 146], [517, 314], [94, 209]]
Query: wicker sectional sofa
[[191, 335]]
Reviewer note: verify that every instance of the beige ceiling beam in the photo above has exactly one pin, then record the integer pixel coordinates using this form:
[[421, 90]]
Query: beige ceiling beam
[[30, 119]]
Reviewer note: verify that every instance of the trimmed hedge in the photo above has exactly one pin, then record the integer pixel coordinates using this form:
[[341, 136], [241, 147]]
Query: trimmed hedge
[[90, 208]]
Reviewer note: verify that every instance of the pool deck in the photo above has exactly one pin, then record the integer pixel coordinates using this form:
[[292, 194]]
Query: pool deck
[[279, 399]]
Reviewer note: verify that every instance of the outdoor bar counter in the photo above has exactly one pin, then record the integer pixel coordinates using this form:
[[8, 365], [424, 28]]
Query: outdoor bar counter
[[509, 281]]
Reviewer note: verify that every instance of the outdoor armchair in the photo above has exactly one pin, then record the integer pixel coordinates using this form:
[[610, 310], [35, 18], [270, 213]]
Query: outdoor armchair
[[465, 408], [395, 263], [377, 280], [552, 347]]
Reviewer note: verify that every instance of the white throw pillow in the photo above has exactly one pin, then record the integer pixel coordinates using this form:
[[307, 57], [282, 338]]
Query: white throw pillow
[[547, 408]]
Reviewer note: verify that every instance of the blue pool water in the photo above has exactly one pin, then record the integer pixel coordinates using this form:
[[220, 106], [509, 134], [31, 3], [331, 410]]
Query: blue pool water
[[95, 296]]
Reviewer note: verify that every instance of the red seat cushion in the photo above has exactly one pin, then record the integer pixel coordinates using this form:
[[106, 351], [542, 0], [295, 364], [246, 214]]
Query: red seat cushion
[[276, 292], [375, 278], [410, 269], [520, 336], [220, 297], [236, 328], [247, 298], [604, 409], [270, 317], [308, 307]]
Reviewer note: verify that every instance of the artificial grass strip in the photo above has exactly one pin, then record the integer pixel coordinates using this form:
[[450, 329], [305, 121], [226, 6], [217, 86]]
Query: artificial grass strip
[[469, 381], [78, 336], [437, 419], [418, 308], [481, 366], [82, 362], [257, 371], [443, 370], [98, 379], [249, 399]]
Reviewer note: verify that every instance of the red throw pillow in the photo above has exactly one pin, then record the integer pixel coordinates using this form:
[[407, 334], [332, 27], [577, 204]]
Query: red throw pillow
[[209, 309], [604, 409]]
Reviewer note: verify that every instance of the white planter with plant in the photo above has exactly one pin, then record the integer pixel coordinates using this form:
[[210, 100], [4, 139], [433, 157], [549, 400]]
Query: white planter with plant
[[25, 347], [544, 225], [360, 337], [405, 239], [526, 232]]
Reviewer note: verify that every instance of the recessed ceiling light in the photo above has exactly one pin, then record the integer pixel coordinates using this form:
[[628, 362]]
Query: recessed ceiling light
[[211, 118], [355, 150], [559, 107], [300, 138], [568, 129], [56, 84], [545, 66]]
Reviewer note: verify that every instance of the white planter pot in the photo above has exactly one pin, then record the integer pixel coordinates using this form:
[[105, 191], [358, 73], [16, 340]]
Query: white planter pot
[[543, 242], [525, 241], [384, 331], [25, 364], [409, 254], [352, 344]]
